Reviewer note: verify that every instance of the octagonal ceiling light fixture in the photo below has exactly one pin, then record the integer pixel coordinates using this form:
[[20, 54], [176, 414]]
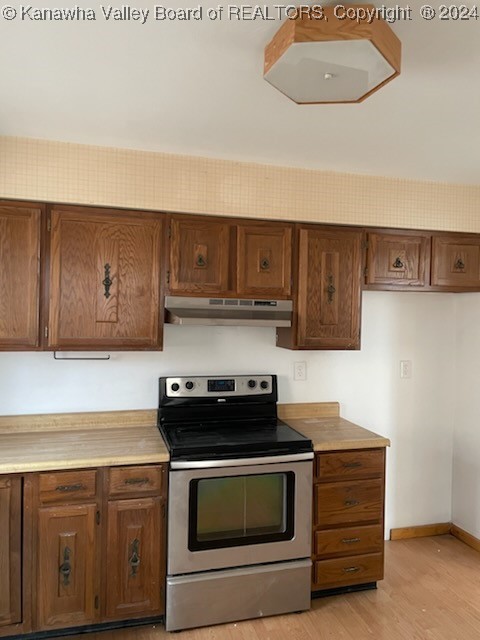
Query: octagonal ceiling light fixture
[[338, 57]]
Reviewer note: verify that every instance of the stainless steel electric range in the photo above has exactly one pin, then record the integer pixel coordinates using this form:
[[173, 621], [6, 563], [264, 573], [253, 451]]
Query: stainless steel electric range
[[239, 507]]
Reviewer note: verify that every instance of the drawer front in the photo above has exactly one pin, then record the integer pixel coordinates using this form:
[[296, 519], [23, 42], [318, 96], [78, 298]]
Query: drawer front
[[342, 465], [348, 541], [339, 503], [128, 481], [68, 486], [341, 572]]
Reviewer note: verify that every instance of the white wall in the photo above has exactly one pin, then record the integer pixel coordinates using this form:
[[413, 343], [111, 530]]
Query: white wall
[[466, 449], [416, 414]]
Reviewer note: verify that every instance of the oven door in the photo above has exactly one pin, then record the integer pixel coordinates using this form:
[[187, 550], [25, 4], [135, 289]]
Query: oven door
[[245, 512]]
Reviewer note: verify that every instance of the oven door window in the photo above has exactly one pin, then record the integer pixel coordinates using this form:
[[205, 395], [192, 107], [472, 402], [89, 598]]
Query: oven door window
[[241, 510]]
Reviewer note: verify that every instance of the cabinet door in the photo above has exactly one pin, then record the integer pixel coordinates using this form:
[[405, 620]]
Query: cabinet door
[[456, 262], [10, 550], [329, 288], [264, 257], [135, 548], [68, 576], [104, 279], [199, 256], [398, 261], [19, 276]]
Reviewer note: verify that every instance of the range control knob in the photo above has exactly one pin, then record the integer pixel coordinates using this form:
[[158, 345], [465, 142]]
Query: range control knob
[[264, 384], [189, 385], [175, 386], [252, 384]]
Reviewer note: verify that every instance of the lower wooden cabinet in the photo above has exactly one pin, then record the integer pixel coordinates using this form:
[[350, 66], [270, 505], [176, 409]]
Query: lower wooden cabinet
[[10, 550], [100, 546], [348, 514]]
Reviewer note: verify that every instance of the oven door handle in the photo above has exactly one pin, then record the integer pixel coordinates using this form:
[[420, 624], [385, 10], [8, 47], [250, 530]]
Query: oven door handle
[[239, 462]]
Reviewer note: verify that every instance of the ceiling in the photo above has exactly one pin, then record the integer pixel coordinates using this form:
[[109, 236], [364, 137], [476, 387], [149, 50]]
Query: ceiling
[[196, 87]]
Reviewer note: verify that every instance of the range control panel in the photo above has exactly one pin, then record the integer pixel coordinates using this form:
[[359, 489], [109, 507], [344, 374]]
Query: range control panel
[[205, 386]]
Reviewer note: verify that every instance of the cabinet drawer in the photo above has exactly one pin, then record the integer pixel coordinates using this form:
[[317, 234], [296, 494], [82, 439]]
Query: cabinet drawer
[[67, 486], [348, 541], [342, 572], [134, 481], [348, 502], [363, 463]]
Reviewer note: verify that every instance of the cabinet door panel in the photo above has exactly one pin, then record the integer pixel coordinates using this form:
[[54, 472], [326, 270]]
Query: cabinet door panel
[[329, 289], [456, 262], [338, 503], [68, 576], [342, 572], [134, 558], [10, 550], [104, 280], [264, 256], [398, 260], [199, 256], [19, 276]]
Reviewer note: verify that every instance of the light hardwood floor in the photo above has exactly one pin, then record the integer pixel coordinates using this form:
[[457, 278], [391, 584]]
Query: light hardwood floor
[[431, 591]]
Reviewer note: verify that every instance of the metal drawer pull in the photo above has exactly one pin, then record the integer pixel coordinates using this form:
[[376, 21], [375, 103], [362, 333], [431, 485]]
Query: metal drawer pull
[[352, 465], [70, 487], [65, 568], [137, 481], [351, 503], [398, 264], [351, 569], [350, 540], [459, 264]]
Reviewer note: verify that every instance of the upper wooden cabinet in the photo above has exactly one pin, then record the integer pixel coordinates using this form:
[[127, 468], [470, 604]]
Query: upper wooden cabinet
[[329, 286], [264, 259], [20, 231], [10, 550], [104, 279], [199, 255], [456, 262], [398, 260], [209, 257]]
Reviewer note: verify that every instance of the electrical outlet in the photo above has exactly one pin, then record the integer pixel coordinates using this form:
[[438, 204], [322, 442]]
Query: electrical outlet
[[299, 370], [405, 368]]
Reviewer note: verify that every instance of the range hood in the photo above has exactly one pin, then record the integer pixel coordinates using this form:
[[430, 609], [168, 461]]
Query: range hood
[[228, 311]]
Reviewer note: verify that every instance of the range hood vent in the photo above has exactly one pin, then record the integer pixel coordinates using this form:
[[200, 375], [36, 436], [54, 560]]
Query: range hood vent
[[228, 311]]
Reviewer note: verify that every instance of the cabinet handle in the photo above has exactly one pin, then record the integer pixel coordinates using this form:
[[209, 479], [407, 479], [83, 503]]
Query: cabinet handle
[[351, 503], [134, 560], [264, 264], [352, 465], [107, 282], [351, 569], [65, 568], [330, 289], [350, 540], [201, 261], [398, 264], [65, 488], [137, 481], [459, 264]]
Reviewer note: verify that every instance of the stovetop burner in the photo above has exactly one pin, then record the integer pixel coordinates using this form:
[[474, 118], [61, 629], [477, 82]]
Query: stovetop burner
[[231, 417]]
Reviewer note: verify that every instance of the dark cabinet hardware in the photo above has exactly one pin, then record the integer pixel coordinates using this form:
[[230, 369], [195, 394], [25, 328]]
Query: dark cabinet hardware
[[352, 465], [398, 264], [65, 568], [459, 264], [264, 264], [330, 289], [350, 540], [65, 488], [201, 261], [351, 569], [134, 560], [351, 503], [107, 282], [137, 481]]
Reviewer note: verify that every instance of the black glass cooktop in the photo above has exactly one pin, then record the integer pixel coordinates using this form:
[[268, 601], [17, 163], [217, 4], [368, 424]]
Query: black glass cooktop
[[233, 440]]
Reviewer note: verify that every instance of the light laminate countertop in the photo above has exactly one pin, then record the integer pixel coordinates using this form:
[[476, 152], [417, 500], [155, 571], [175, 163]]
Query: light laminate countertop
[[101, 439]]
